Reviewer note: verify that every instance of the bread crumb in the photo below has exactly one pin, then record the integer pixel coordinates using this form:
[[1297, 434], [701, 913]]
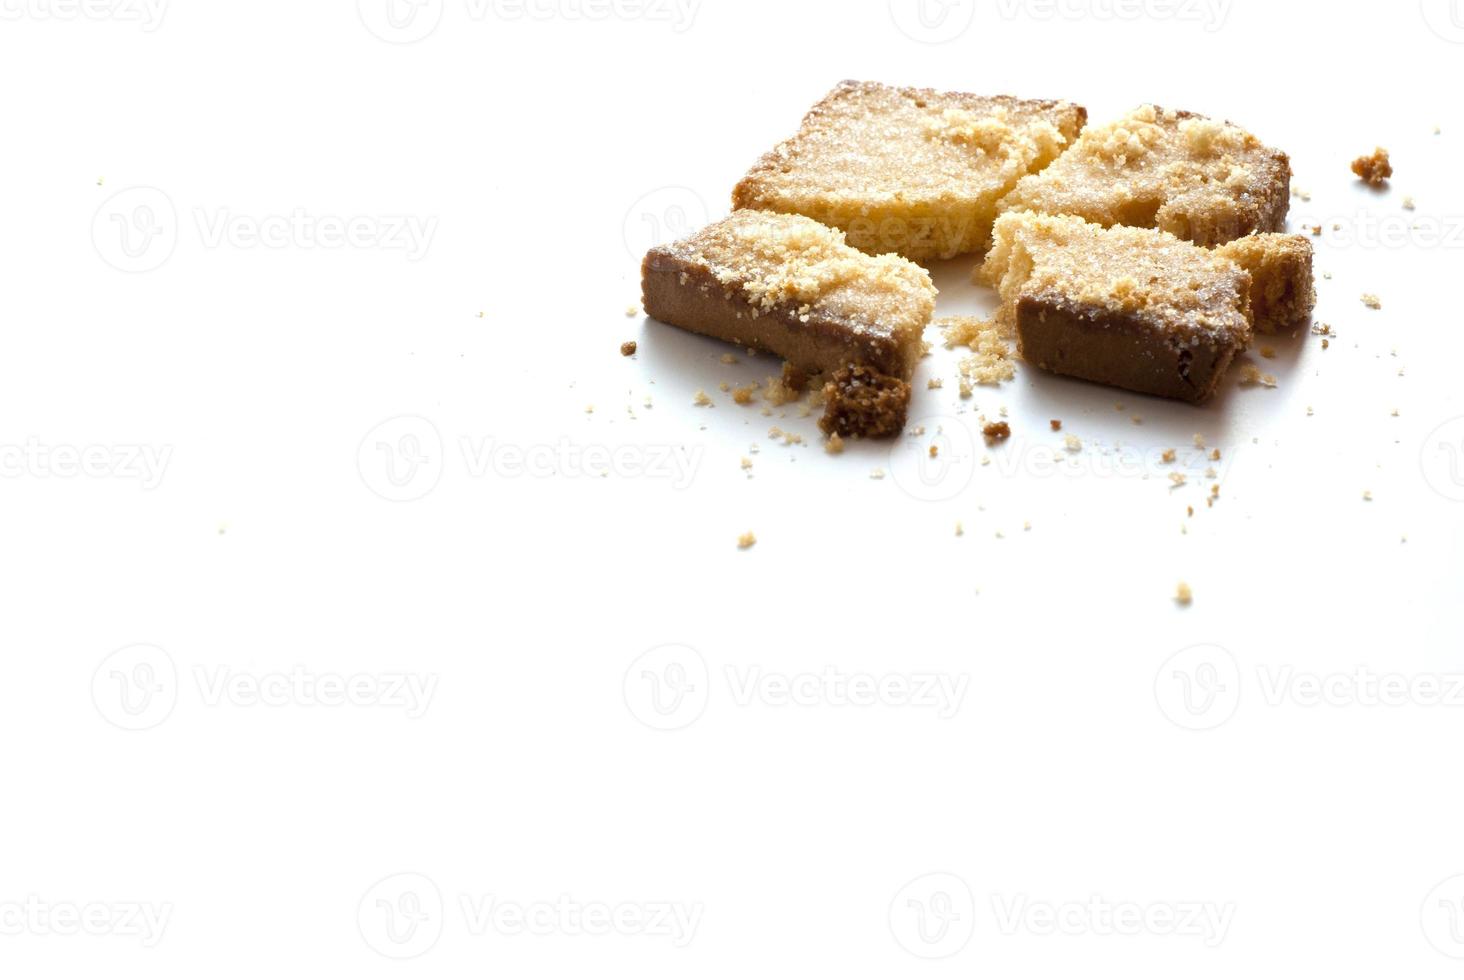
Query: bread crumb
[[1375, 169], [627, 348], [1056, 425], [960, 531], [1183, 594], [1215, 455], [631, 311], [729, 359], [701, 399], [1371, 301], [724, 386], [934, 384], [746, 463], [934, 450], [1251, 375], [995, 432], [744, 396], [876, 474], [1367, 496], [991, 360], [835, 444], [1199, 441], [1072, 443], [1409, 204], [746, 541], [1169, 456], [1268, 352], [1177, 479]]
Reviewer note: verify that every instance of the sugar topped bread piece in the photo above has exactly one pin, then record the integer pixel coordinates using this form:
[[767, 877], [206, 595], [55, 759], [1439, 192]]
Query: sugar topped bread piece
[[788, 285], [1283, 289], [1130, 307], [1200, 179], [907, 170]]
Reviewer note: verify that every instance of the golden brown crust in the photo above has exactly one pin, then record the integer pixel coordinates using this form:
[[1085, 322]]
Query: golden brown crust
[[1200, 179], [787, 285], [1283, 290], [907, 170]]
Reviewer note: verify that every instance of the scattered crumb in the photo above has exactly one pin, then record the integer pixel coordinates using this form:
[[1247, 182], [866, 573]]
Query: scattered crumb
[[724, 386], [934, 384], [876, 474], [1268, 352], [1056, 425], [746, 463], [744, 396], [1316, 231], [934, 450], [589, 410], [1409, 204], [746, 541], [960, 531], [1371, 301], [1215, 455], [1183, 594], [1177, 479], [1375, 169], [1072, 443], [701, 399], [991, 360], [729, 359], [777, 393], [631, 311], [995, 432], [1298, 192], [1367, 496], [1326, 343], [835, 445], [1169, 455], [627, 348], [1251, 375]]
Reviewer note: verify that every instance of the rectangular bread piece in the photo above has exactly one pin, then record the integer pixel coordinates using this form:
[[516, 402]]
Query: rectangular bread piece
[[1134, 308], [907, 170], [1201, 179], [1283, 289], [790, 286]]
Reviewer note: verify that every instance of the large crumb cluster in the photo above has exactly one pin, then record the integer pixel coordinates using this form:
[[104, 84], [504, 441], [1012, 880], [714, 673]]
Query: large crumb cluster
[[907, 170], [1375, 168], [1201, 179], [990, 361]]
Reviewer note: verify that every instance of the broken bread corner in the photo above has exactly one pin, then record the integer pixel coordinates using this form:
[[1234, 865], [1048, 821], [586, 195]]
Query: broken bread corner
[[1283, 289], [909, 170], [1130, 307], [790, 286]]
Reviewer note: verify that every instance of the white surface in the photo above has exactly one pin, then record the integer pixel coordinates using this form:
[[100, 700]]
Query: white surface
[[535, 149]]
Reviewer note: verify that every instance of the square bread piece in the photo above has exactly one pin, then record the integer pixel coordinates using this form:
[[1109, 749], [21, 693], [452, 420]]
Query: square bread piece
[[788, 285], [907, 170], [1283, 290], [1130, 307], [1203, 180]]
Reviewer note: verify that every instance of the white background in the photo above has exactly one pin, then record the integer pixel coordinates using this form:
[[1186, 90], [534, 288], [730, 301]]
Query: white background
[[379, 463]]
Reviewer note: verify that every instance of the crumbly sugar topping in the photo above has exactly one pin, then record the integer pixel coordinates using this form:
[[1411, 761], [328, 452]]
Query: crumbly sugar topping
[[1187, 292], [782, 261], [1203, 179]]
